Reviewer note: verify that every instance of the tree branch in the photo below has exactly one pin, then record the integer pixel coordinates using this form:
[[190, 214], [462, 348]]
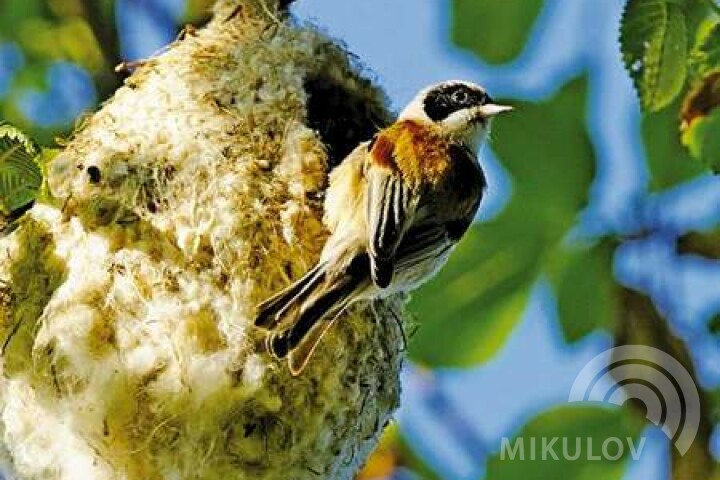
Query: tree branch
[[642, 324], [704, 244], [105, 31]]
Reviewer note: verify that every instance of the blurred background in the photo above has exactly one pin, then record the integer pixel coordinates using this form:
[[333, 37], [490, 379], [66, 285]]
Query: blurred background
[[599, 228]]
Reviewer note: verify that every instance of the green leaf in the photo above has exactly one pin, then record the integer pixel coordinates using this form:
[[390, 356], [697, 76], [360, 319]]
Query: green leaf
[[469, 310], [668, 161], [700, 100], [413, 461], [584, 287], [15, 12], [70, 39], [653, 39], [467, 313], [495, 30], [703, 139], [395, 452], [705, 55], [591, 426], [20, 176], [546, 148], [10, 136]]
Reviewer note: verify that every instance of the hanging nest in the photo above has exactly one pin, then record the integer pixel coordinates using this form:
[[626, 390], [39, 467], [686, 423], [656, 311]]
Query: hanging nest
[[126, 309]]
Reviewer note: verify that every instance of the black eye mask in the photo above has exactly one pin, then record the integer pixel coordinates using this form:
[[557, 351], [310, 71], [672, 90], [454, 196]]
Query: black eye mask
[[442, 102]]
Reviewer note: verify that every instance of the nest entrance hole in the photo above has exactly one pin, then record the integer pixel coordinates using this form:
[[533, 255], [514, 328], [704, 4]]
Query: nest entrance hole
[[341, 116]]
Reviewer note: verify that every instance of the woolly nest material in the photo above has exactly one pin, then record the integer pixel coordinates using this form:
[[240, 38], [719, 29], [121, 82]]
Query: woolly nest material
[[126, 309]]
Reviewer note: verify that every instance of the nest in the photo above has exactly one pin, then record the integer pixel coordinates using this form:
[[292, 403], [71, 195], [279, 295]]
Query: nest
[[126, 309]]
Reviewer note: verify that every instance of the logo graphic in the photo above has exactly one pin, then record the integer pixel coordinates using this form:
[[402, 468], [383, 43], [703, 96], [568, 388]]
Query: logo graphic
[[650, 376]]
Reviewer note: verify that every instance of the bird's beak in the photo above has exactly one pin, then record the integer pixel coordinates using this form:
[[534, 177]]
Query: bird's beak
[[491, 109]]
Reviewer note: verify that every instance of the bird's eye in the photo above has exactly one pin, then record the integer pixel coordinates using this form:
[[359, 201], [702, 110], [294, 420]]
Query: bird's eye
[[460, 97]]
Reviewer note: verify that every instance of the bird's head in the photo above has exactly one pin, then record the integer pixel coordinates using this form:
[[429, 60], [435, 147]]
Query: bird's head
[[461, 110]]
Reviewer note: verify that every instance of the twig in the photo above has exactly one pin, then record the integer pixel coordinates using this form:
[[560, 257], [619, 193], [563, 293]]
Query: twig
[[705, 244], [447, 413], [105, 33], [129, 66]]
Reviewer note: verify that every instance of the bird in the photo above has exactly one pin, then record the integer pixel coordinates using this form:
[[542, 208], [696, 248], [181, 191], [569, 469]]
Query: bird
[[395, 208]]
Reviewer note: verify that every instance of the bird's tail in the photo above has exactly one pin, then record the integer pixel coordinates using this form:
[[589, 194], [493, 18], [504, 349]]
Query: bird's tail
[[299, 316]]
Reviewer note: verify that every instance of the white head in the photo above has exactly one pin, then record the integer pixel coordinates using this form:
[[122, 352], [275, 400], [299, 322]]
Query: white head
[[460, 109]]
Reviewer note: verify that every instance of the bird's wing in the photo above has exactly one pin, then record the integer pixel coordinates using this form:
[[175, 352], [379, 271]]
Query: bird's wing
[[391, 205], [427, 242], [422, 244]]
